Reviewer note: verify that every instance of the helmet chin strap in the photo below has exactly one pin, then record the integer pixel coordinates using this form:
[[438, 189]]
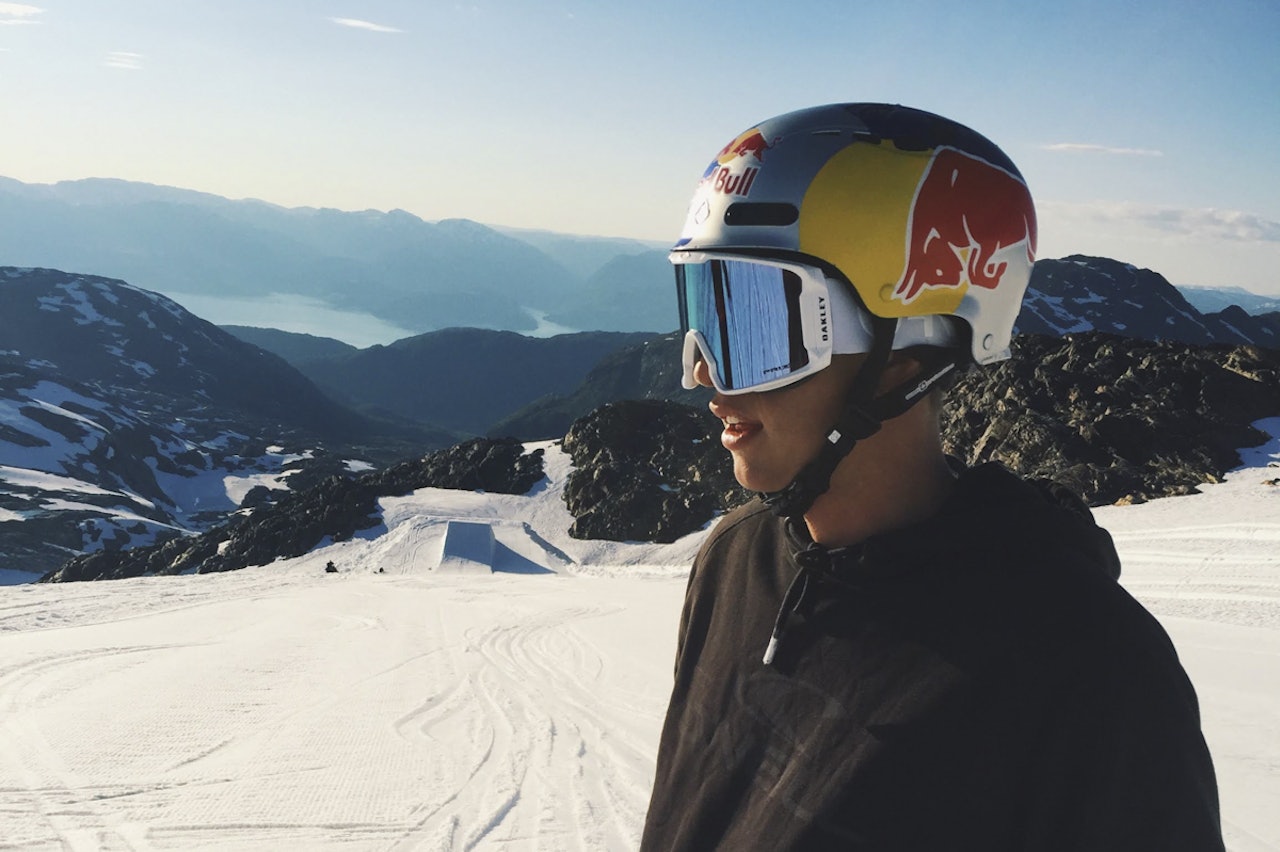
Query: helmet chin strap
[[861, 418]]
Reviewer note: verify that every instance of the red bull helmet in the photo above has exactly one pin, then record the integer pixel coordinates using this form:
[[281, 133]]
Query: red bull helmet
[[926, 221], [851, 228]]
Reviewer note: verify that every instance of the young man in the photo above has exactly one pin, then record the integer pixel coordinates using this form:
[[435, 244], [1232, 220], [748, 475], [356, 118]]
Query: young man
[[887, 652]]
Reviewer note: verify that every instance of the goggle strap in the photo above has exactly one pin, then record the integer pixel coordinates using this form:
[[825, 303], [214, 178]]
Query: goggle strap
[[907, 394], [863, 390]]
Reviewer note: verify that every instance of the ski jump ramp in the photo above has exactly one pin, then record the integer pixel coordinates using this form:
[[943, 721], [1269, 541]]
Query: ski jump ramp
[[467, 548]]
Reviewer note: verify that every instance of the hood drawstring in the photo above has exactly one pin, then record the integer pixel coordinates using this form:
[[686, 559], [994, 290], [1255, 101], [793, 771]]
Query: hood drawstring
[[812, 560]]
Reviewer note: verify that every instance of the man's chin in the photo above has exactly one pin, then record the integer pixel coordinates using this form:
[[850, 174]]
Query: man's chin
[[754, 479]]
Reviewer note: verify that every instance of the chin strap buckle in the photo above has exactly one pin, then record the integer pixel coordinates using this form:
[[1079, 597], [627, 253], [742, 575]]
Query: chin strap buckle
[[812, 481]]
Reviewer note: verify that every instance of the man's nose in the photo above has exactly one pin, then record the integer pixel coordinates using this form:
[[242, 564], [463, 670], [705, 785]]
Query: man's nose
[[702, 372]]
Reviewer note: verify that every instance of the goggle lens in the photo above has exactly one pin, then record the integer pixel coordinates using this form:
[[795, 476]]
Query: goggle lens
[[749, 317]]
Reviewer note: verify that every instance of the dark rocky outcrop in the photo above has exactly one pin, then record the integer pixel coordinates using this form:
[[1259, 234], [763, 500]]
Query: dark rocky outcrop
[[337, 508], [1113, 418], [646, 471], [1116, 420]]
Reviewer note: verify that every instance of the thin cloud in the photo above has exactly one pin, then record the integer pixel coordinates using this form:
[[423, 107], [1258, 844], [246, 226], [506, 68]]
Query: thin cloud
[[13, 14], [356, 23], [1204, 222], [123, 59], [1102, 149]]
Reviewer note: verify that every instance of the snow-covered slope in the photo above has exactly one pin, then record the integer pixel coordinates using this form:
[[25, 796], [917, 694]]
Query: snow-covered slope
[[123, 417], [390, 706]]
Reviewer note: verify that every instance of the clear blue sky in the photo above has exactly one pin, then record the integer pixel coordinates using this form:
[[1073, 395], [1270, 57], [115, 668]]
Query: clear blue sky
[[1148, 131]]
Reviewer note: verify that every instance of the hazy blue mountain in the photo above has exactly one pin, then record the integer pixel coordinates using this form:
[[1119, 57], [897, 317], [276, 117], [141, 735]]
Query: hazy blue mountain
[[583, 255], [634, 292], [464, 379], [416, 274], [1213, 299], [292, 346]]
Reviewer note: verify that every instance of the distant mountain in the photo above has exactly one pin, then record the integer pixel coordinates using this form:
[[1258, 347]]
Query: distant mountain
[[292, 346], [463, 378], [1116, 420], [1209, 300], [634, 292], [1080, 293], [1069, 296], [584, 256], [123, 418], [392, 265], [649, 371]]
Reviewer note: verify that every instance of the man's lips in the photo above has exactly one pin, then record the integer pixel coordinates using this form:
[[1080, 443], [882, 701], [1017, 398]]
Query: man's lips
[[736, 431]]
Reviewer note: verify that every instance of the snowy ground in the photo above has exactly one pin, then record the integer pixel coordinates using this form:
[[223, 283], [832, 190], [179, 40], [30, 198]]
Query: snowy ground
[[286, 708]]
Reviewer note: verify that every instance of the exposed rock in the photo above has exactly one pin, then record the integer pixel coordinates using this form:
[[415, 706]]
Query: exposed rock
[[336, 508], [646, 471], [1115, 419]]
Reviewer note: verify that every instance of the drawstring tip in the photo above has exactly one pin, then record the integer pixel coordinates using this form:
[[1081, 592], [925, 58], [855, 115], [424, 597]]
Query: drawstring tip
[[771, 650]]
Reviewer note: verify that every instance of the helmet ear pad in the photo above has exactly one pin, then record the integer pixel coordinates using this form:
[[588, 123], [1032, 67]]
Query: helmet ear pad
[[853, 327]]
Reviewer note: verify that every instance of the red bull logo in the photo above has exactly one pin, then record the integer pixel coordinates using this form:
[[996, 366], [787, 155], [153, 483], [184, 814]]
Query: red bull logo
[[749, 147], [750, 144], [960, 226]]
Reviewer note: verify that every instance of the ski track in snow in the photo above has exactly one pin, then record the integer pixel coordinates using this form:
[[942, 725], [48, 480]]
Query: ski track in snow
[[362, 711], [285, 708]]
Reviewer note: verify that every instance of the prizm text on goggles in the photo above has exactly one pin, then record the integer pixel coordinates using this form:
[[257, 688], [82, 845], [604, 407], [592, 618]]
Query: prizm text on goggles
[[760, 324]]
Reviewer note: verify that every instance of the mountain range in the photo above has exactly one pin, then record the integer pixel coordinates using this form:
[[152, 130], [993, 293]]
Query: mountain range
[[1115, 420], [125, 419], [1070, 295], [416, 275]]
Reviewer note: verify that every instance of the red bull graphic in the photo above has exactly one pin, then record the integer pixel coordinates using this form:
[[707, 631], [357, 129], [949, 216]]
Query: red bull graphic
[[748, 147], [951, 240]]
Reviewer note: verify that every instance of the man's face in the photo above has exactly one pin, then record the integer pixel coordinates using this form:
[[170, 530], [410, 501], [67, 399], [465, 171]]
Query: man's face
[[772, 435]]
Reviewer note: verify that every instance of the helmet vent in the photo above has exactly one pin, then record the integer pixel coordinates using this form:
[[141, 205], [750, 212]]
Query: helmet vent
[[761, 213]]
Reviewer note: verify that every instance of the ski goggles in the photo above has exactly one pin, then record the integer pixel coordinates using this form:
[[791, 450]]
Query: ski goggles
[[759, 324]]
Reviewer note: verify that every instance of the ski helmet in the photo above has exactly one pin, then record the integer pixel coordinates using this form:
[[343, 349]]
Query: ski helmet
[[921, 216], [852, 228]]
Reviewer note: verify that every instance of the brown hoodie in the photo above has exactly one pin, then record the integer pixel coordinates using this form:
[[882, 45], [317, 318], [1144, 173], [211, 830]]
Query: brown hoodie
[[977, 682]]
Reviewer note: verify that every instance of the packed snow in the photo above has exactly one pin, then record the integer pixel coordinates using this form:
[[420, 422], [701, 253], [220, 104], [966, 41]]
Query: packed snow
[[395, 706]]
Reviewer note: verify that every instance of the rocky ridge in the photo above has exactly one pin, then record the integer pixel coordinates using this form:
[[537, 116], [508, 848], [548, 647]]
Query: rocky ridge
[[1116, 420], [1082, 293], [123, 417], [1071, 295], [335, 509]]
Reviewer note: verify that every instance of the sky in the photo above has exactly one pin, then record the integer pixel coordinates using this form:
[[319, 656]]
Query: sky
[[1146, 130]]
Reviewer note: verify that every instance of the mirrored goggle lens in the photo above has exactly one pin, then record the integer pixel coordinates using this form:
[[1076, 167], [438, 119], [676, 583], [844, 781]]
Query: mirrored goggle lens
[[749, 315]]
